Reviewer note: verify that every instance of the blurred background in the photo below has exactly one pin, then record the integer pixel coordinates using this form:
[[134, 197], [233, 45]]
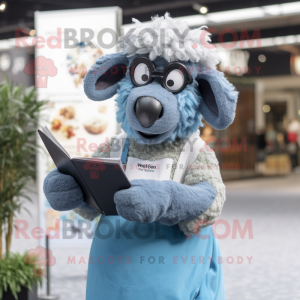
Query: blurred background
[[259, 48]]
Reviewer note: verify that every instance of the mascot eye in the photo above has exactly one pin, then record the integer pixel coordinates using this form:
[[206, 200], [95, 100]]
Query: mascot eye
[[175, 80], [141, 74]]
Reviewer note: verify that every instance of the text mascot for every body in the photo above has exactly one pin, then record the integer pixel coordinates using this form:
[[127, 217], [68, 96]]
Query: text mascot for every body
[[160, 245]]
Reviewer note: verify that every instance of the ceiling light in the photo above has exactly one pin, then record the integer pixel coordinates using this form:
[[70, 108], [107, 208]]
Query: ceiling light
[[245, 14], [266, 108], [236, 15], [262, 58], [3, 7], [201, 9], [295, 64]]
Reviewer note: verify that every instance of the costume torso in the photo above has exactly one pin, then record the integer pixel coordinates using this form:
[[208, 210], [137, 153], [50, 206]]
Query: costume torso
[[130, 260]]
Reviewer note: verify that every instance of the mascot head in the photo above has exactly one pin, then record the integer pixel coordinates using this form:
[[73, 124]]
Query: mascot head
[[166, 80]]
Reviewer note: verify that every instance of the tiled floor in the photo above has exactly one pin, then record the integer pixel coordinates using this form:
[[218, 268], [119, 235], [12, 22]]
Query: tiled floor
[[273, 207]]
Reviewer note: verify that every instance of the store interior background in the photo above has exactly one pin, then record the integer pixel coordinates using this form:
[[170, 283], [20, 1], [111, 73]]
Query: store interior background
[[260, 168], [265, 68]]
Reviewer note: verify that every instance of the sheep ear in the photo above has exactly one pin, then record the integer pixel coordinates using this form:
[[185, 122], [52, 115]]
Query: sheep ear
[[219, 99], [102, 79]]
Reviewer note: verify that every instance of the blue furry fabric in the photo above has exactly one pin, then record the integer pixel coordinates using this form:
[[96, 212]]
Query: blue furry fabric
[[102, 68], [63, 193], [125, 86], [225, 96], [188, 105], [210, 95], [190, 116], [167, 202]]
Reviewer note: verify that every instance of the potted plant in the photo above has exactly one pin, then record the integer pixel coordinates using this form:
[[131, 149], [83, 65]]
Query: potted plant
[[20, 112], [19, 277]]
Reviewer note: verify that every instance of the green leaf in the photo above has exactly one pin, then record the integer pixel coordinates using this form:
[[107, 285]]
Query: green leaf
[[14, 273], [20, 116]]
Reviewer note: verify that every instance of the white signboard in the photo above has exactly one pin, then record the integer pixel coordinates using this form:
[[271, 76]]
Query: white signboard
[[67, 44]]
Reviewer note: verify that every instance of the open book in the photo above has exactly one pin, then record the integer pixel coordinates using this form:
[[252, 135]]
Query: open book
[[98, 178]]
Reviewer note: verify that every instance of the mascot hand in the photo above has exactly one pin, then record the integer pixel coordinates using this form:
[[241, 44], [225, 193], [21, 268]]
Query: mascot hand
[[62, 191], [168, 202]]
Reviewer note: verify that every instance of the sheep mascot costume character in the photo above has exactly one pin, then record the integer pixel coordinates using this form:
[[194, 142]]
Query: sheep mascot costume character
[[161, 245]]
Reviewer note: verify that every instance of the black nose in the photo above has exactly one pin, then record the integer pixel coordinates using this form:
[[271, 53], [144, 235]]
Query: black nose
[[147, 110]]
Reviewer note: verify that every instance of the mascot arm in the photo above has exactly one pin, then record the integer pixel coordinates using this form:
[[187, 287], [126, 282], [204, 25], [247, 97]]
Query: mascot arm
[[205, 168], [167, 202], [193, 205], [63, 192]]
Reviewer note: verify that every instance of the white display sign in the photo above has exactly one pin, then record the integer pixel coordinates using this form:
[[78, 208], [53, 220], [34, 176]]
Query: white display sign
[[67, 44]]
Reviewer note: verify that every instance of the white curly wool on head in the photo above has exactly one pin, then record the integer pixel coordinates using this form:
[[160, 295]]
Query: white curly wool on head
[[166, 37]]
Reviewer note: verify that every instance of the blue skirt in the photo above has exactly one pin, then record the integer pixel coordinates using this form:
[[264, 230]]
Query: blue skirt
[[134, 261]]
